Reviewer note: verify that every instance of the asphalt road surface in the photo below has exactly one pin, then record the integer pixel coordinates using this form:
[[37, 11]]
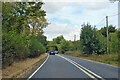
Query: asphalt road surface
[[61, 66]]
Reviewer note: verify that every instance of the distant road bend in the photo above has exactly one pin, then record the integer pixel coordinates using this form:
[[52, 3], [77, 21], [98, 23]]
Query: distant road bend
[[62, 66]]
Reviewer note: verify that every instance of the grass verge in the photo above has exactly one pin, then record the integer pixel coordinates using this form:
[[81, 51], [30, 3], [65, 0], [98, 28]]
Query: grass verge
[[22, 69], [111, 59]]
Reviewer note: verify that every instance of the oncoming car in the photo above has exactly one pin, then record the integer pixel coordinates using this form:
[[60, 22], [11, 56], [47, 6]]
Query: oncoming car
[[56, 52], [51, 52]]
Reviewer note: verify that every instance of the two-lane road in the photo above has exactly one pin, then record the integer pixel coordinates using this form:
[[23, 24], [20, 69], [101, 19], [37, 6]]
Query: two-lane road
[[61, 66]]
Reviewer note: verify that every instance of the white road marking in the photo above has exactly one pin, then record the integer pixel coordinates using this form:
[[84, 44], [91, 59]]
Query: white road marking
[[83, 70], [80, 67], [89, 71], [101, 63], [38, 68]]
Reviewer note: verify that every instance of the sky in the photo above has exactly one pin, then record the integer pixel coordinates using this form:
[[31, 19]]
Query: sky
[[66, 17]]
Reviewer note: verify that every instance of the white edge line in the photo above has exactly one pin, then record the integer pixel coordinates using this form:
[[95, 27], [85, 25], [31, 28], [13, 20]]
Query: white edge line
[[88, 70], [97, 62], [82, 67], [101, 63], [78, 67], [38, 68]]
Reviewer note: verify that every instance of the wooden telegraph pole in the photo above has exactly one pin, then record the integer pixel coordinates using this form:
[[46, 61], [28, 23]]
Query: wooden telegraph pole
[[107, 35], [74, 42]]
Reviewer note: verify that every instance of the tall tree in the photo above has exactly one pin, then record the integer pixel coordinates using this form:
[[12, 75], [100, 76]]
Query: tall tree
[[28, 14], [17, 25], [111, 29], [65, 46], [114, 42], [58, 39], [90, 40]]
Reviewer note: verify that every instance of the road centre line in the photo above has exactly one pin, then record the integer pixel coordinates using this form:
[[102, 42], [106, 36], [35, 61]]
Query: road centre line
[[89, 71], [38, 68], [79, 67], [82, 68]]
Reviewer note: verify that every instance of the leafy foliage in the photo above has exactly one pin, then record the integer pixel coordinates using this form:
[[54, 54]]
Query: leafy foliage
[[114, 42], [61, 44], [64, 46], [91, 40], [15, 46], [42, 39], [111, 29], [58, 39], [36, 48], [23, 24]]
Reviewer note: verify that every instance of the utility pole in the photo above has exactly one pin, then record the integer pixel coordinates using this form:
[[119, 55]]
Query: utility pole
[[74, 42], [107, 35], [118, 16]]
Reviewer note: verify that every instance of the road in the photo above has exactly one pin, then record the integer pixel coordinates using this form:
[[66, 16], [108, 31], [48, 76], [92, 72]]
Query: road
[[62, 66]]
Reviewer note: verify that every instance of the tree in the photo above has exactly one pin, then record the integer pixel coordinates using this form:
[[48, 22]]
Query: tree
[[85, 39], [58, 39], [20, 16], [65, 46], [114, 42], [71, 45], [42, 39], [36, 48], [22, 34], [90, 40], [111, 29]]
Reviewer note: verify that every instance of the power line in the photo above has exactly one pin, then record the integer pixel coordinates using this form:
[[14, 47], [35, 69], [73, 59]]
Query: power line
[[104, 18], [100, 21], [108, 16], [114, 15]]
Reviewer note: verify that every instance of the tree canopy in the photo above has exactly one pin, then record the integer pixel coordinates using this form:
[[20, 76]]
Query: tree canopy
[[111, 29], [90, 40], [22, 31]]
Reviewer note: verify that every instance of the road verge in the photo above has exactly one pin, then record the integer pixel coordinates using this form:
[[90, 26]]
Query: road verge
[[111, 59], [22, 69]]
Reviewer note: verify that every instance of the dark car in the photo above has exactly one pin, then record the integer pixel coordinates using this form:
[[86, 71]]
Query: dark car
[[51, 52], [56, 52]]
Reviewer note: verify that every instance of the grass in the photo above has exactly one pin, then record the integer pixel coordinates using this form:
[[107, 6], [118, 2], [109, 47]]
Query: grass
[[22, 69], [111, 59]]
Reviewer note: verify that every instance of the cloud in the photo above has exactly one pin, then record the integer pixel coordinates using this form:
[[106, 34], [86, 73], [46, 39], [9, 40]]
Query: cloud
[[56, 29], [76, 14], [75, 0], [66, 19], [95, 5], [52, 7]]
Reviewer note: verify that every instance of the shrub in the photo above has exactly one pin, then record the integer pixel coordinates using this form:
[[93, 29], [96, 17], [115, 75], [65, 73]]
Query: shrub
[[7, 49], [114, 42], [65, 46], [21, 46], [36, 48], [14, 46], [91, 41]]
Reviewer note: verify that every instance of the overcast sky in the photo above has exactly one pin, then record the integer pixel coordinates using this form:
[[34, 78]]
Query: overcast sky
[[66, 17]]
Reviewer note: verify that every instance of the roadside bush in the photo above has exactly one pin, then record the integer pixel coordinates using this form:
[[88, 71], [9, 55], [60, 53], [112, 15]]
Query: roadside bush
[[59, 48], [102, 45], [113, 43], [7, 49], [7, 59], [65, 46], [91, 41], [21, 46], [36, 48], [14, 47], [73, 53]]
